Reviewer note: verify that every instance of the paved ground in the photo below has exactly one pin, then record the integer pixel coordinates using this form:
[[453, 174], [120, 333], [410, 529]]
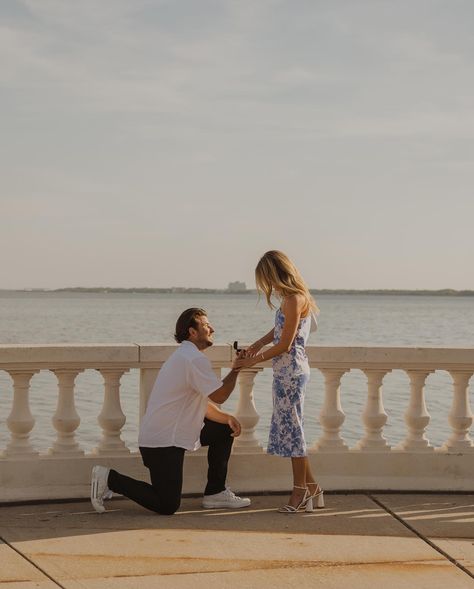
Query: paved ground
[[358, 541]]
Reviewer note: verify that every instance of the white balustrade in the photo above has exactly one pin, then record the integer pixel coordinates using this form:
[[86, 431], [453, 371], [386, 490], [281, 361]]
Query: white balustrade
[[374, 416], [246, 412], [20, 422], [460, 416], [417, 417], [339, 468], [111, 418], [66, 419], [331, 416]]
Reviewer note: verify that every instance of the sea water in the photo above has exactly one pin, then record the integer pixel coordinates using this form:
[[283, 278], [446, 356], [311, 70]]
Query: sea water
[[345, 320]]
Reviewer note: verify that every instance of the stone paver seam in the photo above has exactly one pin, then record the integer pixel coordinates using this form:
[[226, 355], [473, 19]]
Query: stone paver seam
[[31, 562], [422, 537]]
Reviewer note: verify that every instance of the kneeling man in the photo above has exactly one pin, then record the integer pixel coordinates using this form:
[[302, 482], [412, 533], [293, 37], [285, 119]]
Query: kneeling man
[[180, 416]]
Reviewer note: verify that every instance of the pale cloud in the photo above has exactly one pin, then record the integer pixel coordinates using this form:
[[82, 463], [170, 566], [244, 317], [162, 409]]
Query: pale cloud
[[262, 115]]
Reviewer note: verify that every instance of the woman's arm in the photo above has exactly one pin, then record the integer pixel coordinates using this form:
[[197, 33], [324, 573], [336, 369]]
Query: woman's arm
[[292, 309], [258, 345]]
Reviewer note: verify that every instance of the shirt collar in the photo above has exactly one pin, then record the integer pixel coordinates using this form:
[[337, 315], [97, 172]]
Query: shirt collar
[[186, 343]]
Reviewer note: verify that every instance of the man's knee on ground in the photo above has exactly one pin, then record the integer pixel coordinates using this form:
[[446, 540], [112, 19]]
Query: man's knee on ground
[[169, 507]]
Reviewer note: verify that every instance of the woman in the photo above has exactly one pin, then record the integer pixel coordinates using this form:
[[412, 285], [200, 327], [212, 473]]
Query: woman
[[276, 274]]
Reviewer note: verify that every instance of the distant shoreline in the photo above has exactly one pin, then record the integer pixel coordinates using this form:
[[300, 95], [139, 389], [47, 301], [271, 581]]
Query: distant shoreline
[[180, 290]]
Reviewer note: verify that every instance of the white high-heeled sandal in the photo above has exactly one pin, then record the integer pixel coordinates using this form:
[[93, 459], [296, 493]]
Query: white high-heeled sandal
[[318, 495], [302, 504]]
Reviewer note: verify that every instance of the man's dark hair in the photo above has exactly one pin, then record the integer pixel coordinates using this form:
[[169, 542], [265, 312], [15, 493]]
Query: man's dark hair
[[186, 320]]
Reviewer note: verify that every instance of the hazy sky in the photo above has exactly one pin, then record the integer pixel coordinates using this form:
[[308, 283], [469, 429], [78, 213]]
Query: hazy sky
[[171, 143]]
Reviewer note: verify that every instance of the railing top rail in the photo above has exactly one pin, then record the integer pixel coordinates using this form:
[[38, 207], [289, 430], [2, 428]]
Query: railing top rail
[[137, 355], [87, 354], [392, 357]]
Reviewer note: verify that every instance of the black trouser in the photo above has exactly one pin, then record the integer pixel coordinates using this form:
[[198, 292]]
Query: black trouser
[[166, 471]]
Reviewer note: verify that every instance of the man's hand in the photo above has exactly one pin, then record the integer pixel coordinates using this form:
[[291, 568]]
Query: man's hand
[[244, 362], [235, 426], [237, 363]]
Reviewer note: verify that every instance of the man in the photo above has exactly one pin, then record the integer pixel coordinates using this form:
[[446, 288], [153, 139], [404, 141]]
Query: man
[[181, 401]]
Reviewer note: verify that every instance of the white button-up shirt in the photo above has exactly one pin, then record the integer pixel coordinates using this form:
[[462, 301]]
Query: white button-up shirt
[[178, 400]]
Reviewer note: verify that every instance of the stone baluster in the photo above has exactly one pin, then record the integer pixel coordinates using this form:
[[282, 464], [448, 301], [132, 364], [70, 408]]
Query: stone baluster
[[246, 413], [374, 416], [331, 416], [417, 417], [111, 418], [460, 415], [20, 422], [66, 419]]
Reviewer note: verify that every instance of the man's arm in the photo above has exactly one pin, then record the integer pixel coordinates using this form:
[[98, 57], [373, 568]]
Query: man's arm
[[215, 414], [228, 383]]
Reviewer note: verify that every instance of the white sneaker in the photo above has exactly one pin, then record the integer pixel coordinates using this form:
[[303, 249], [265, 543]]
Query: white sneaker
[[99, 489], [226, 499]]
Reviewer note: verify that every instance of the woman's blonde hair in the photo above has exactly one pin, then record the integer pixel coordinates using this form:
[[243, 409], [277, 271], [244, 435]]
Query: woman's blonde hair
[[275, 271]]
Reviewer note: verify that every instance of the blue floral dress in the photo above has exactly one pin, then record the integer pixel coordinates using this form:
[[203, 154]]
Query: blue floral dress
[[290, 377]]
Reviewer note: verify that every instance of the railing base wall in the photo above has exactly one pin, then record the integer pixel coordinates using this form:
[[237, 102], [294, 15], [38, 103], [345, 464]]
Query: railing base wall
[[58, 478]]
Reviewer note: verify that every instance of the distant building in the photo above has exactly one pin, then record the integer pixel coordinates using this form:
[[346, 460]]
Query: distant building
[[237, 287]]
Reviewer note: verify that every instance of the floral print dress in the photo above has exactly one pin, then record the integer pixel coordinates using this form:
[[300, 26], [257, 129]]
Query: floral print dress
[[290, 377]]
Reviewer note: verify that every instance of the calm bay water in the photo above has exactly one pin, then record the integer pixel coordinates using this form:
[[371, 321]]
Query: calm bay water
[[345, 320]]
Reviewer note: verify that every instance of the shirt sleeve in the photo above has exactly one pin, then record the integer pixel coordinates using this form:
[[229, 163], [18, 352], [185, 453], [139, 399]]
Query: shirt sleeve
[[202, 378]]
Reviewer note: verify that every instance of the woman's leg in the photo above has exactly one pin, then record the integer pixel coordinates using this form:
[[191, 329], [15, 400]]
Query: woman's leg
[[299, 480], [313, 487], [302, 478], [309, 474]]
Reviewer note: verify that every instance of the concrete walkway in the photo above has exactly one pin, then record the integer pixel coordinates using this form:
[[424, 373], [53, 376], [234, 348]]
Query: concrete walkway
[[358, 541]]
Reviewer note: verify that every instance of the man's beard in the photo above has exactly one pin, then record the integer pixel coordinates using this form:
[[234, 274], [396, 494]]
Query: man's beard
[[204, 343]]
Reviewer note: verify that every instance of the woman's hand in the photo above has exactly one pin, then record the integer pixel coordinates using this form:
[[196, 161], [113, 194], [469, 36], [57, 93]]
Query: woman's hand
[[244, 362], [234, 425], [254, 349]]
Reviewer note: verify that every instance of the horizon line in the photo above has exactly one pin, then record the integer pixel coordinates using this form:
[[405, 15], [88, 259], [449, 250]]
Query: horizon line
[[202, 290]]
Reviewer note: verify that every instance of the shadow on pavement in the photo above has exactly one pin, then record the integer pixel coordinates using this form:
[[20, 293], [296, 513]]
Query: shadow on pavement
[[358, 515]]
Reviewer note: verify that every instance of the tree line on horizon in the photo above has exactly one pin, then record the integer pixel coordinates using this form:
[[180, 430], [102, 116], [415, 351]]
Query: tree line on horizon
[[196, 290]]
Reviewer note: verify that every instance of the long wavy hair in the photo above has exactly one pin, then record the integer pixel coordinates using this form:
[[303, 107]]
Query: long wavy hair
[[276, 272]]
